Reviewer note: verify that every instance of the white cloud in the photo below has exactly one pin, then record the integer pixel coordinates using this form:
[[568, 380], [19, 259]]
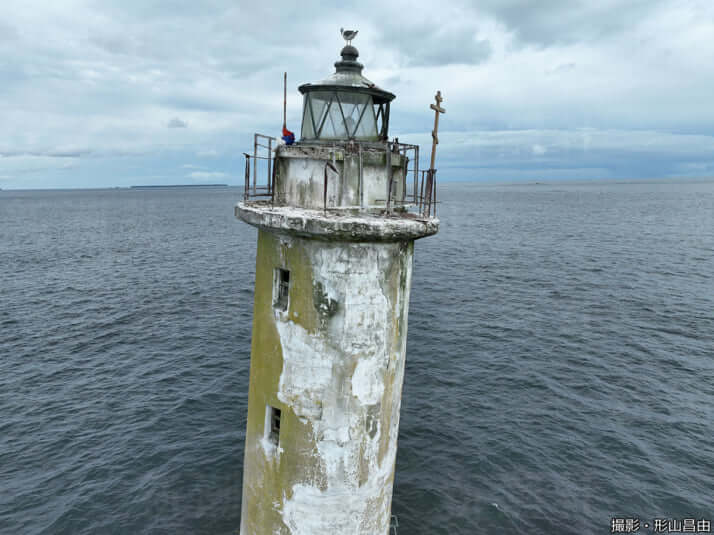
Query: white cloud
[[23, 164], [552, 81], [538, 149]]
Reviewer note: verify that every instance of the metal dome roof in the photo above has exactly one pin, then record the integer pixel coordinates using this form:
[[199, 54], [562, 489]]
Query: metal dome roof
[[348, 76]]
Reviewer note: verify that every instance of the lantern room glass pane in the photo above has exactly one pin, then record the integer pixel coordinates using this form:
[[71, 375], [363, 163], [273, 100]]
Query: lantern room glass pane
[[319, 102], [334, 127], [379, 111], [367, 127], [308, 132], [353, 104], [339, 115]]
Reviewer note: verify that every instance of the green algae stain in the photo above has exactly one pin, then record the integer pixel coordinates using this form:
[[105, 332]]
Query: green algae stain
[[269, 476]]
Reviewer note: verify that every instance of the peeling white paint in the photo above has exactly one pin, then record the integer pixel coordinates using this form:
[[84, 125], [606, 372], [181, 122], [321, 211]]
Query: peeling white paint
[[367, 383], [342, 369], [307, 368]]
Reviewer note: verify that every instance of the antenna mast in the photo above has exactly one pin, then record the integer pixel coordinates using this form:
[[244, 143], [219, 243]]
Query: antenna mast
[[285, 98]]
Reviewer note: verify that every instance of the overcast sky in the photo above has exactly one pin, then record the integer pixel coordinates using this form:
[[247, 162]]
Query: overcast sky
[[121, 92]]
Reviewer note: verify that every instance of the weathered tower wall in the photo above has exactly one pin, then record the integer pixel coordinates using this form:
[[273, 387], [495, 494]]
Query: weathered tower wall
[[332, 363], [333, 274], [360, 179]]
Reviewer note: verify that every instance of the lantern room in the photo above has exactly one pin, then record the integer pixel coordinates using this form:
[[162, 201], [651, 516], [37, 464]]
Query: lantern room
[[346, 105], [343, 161]]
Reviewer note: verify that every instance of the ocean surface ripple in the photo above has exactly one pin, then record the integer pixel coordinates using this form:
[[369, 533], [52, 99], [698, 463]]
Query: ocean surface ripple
[[560, 360]]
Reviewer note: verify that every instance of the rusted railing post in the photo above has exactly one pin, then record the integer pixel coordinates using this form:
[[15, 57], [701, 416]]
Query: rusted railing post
[[255, 163], [246, 190], [324, 193], [434, 182], [271, 182], [427, 192], [270, 154], [388, 171], [416, 171], [360, 185], [403, 180]]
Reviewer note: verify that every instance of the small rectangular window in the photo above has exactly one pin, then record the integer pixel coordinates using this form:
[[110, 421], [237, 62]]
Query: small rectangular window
[[274, 434], [282, 288]]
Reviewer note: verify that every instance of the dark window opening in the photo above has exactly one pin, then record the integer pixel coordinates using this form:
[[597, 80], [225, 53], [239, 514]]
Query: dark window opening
[[282, 290], [274, 435]]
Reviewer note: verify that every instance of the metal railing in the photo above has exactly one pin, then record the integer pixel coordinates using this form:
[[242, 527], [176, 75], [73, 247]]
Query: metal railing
[[405, 150], [422, 182], [256, 189], [422, 197], [427, 198]]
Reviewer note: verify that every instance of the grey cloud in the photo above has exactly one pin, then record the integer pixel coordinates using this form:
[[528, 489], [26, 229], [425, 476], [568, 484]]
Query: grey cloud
[[177, 123], [608, 154], [468, 51], [428, 45], [182, 101], [114, 90], [68, 153], [587, 148], [7, 32], [113, 43], [561, 68], [549, 22], [50, 153]]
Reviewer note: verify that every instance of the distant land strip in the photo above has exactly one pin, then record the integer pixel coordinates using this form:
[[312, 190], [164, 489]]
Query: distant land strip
[[181, 186]]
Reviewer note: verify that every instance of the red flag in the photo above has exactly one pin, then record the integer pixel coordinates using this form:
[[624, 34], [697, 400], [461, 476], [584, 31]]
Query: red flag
[[288, 136]]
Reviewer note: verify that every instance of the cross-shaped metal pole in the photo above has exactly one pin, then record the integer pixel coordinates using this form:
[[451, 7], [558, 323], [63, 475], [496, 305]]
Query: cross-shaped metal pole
[[437, 110]]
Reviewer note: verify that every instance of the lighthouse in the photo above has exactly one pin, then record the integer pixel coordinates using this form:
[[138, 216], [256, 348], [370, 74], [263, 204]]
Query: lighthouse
[[337, 216]]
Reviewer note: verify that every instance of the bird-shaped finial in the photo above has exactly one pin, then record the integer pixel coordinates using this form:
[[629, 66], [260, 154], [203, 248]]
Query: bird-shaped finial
[[348, 35]]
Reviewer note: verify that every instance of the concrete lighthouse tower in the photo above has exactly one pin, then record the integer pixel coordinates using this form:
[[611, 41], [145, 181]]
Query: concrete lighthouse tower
[[337, 221]]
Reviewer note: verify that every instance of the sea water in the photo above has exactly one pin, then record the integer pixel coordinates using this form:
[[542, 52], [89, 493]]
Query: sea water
[[560, 360]]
